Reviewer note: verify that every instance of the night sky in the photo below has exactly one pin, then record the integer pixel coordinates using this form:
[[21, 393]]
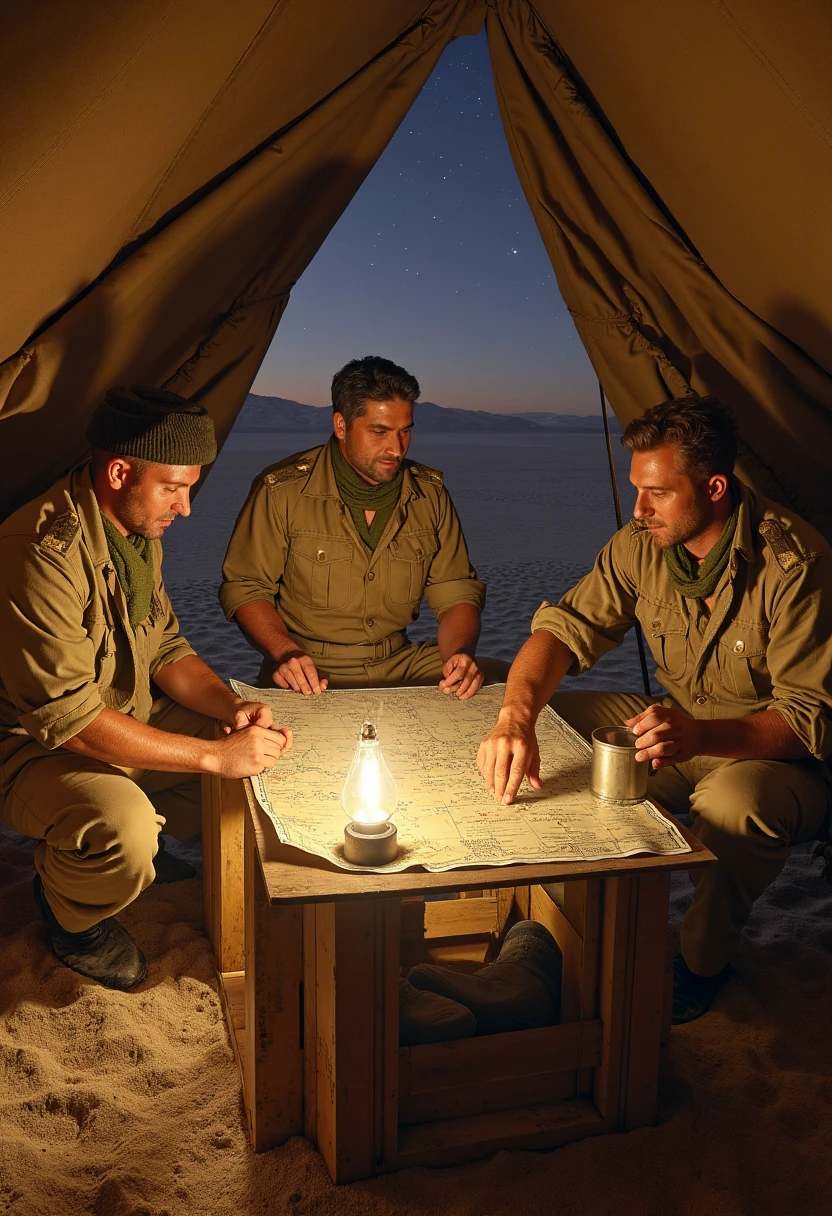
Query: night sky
[[437, 264]]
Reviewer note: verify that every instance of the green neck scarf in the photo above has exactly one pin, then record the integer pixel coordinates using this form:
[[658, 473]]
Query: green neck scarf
[[697, 582], [132, 557], [361, 497]]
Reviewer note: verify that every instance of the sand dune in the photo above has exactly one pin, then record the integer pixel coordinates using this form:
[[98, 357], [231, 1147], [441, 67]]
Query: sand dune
[[128, 1104]]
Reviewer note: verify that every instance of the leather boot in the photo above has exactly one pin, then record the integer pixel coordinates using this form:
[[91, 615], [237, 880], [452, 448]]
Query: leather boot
[[692, 993], [520, 990], [106, 952], [427, 1018], [169, 867]]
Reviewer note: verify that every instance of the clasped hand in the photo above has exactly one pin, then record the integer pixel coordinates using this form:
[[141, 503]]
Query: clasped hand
[[665, 736], [253, 743]]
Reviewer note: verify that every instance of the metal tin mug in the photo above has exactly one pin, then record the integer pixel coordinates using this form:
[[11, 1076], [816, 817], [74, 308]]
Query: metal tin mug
[[616, 775]]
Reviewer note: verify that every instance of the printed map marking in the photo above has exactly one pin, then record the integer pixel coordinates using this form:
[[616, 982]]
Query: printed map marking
[[445, 817]]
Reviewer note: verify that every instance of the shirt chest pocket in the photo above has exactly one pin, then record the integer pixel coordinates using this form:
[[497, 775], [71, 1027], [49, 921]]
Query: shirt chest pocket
[[102, 637], [109, 674], [318, 570], [666, 632], [410, 556], [741, 663]]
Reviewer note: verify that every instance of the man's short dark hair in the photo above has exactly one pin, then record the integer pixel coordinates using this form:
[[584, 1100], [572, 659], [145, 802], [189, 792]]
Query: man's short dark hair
[[370, 379], [701, 427]]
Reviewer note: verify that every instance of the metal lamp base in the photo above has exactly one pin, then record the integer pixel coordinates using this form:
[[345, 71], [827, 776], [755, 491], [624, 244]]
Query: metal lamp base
[[363, 848]]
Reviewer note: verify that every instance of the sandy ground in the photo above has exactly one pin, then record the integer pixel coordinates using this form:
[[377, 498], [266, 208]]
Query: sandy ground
[[129, 1105]]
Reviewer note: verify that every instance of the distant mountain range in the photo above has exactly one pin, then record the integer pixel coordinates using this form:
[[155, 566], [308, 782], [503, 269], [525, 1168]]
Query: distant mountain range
[[280, 414]]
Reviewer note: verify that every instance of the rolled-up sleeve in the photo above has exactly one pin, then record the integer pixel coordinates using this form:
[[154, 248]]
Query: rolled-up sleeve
[[256, 554], [451, 578], [799, 654], [595, 615], [48, 662]]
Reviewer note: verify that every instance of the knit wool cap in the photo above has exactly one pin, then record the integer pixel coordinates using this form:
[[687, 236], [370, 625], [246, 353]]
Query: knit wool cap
[[152, 424]]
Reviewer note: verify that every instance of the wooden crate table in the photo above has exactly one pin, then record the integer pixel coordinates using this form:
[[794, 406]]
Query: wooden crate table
[[309, 958]]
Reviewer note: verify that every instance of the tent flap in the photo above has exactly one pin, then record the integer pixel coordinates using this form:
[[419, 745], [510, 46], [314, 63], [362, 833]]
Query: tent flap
[[196, 304], [171, 168], [654, 318]]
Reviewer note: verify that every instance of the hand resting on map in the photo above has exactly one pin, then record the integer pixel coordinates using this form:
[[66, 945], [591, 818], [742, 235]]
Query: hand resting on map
[[508, 754]]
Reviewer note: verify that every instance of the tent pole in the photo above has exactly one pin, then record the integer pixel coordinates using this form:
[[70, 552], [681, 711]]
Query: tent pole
[[645, 674]]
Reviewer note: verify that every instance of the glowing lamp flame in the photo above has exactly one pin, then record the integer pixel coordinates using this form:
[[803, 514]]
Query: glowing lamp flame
[[369, 795]]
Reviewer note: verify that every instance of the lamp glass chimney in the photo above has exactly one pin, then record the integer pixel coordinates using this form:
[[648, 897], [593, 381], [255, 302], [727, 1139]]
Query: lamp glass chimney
[[369, 795]]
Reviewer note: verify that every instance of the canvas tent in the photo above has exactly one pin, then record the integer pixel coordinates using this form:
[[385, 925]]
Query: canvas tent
[[170, 167]]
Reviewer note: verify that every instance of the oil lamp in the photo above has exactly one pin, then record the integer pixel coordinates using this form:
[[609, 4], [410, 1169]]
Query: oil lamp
[[369, 797]]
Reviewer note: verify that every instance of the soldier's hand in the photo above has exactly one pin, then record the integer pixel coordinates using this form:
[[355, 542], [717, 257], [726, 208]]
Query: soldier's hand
[[247, 752], [297, 671], [507, 755], [249, 713], [665, 736], [460, 675]]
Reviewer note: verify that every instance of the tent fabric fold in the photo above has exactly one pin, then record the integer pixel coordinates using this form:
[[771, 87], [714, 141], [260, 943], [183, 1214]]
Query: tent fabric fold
[[194, 304], [170, 168], [655, 320]]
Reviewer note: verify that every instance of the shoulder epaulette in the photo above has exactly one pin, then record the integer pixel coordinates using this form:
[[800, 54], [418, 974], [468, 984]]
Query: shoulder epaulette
[[62, 533], [290, 470], [426, 473], [636, 526], [781, 544]]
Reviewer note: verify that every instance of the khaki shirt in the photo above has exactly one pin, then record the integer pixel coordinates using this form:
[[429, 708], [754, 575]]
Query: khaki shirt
[[68, 649], [767, 642], [295, 545]]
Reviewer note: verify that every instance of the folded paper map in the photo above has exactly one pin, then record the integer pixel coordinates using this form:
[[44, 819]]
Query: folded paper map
[[446, 818]]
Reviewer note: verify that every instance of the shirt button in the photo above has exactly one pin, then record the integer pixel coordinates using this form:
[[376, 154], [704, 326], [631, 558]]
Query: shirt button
[[370, 622], [655, 624], [321, 555], [371, 575], [700, 700], [739, 646]]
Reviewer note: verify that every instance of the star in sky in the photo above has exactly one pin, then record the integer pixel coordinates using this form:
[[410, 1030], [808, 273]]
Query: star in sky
[[414, 269]]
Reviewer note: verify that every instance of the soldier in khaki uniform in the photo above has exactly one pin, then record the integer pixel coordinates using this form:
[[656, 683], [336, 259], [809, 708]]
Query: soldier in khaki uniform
[[336, 546], [91, 764], [734, 594]]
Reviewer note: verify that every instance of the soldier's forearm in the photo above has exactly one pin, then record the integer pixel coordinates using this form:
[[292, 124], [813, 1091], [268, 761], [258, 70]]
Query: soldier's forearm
[[535, 675], [458, 631], [192, 683], [262, 626], [763, 736], [118, 739]]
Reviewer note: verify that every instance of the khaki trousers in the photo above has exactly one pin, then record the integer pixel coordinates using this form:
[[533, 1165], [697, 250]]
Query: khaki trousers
[[98, 825], [418, 663], [747, 812]]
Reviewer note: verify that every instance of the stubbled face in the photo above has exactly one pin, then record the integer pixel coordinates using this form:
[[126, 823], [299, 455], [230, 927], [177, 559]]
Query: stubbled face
[[146, 501], [676, 507], [376, 443]]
